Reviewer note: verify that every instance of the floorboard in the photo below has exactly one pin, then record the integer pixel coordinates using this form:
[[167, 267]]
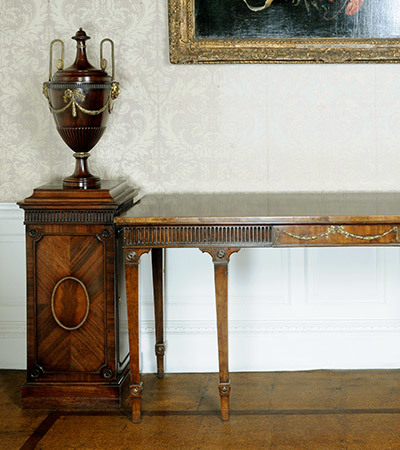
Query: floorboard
[[274, 410]]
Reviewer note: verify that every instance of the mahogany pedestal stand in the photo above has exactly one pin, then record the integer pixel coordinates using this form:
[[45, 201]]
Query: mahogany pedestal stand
[[73, 287]]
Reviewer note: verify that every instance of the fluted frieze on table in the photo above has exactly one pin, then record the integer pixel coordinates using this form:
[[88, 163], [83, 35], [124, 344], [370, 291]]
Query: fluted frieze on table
[[198, 236]]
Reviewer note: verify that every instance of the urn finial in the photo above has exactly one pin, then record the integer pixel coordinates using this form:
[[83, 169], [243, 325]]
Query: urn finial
[[81, 62], [80, 35]]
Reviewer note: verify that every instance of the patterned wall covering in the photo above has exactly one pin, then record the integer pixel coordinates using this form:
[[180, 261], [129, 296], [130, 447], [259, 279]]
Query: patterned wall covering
[[195, 128]]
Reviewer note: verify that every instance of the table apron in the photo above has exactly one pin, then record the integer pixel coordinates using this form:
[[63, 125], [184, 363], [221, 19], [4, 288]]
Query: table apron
[[260, 235], [335, 235]]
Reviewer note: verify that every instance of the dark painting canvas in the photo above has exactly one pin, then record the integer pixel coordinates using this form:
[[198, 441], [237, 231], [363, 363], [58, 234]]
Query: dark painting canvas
[[297, 18]]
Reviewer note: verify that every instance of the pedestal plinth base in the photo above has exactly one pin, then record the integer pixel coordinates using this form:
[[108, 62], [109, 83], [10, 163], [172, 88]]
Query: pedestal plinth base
[[74, 396]]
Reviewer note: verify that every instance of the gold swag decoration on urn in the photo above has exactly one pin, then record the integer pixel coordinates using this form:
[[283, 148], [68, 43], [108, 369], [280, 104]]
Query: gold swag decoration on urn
[[81, 98]]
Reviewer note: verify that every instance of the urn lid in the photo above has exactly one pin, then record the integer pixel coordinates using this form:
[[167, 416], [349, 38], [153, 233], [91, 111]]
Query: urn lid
[[81, 70]]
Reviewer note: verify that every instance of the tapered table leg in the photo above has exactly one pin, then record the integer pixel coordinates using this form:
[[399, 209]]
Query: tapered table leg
[[157, 263], [221, 298], [221, 261], [132, 258]]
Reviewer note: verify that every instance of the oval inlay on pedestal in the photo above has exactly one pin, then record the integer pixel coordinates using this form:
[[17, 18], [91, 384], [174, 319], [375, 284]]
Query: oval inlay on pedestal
[[70, 303]]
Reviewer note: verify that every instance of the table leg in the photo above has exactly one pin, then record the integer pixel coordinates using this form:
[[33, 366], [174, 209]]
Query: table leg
[[221, 261], [132, 258], [157, 263], [221, 298]]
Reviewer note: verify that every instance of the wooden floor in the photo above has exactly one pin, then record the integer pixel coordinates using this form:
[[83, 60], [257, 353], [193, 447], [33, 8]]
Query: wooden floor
[[286, 410]]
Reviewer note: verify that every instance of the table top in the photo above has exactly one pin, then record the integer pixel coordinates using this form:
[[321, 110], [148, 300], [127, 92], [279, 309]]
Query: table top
[[192, 209]]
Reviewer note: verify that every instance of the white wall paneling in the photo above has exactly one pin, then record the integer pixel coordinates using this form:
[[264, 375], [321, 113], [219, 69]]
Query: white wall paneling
[[289, 309], [12, 288]]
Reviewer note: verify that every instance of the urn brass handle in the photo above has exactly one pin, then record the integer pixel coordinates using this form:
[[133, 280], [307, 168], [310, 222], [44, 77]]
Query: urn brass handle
[[103, 61], [60, 62], [259, 8]]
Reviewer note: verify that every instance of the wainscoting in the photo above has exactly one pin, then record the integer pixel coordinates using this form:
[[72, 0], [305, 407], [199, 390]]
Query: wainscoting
[[12, 288], [290, 309]]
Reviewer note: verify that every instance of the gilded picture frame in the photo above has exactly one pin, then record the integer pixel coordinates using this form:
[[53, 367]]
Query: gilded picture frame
[[187, 47]]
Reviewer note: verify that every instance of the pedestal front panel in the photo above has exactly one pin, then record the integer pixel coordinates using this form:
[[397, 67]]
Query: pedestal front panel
[[73, 304]]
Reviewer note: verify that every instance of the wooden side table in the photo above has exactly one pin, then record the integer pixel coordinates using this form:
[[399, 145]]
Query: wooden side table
[[221, 224], [73, 356]]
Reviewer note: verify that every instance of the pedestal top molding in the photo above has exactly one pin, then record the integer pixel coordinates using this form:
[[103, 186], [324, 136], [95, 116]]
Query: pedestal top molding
[[51, 203]]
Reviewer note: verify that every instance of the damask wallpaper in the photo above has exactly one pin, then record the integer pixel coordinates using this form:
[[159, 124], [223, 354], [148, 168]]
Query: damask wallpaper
[[193, 128]]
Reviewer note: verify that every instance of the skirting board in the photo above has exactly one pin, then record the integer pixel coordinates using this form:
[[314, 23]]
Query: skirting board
[[289, 309]]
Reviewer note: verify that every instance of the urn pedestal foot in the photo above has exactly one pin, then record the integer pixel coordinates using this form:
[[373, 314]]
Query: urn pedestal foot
[[82, 178]]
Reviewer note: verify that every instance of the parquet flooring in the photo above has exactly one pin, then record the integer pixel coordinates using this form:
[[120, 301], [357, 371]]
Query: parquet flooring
[[277, 410]]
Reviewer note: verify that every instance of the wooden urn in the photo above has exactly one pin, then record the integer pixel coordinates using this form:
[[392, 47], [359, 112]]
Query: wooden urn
[[80, 98]]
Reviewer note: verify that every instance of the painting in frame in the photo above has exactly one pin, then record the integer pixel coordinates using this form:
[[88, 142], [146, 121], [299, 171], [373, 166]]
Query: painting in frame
[[284, 31]]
